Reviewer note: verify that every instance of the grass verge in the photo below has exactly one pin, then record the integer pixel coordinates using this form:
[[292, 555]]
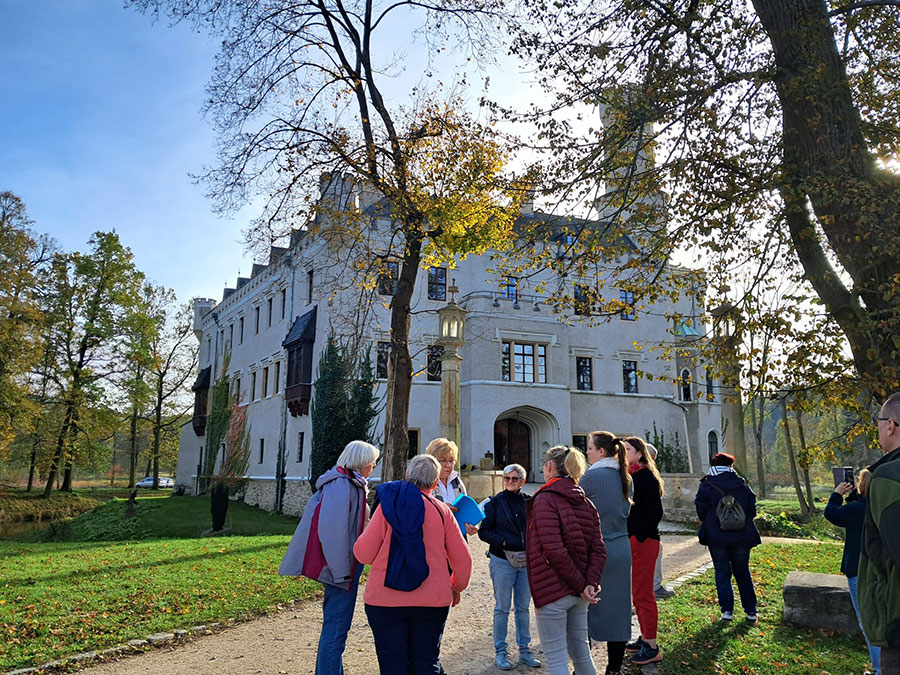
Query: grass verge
[[781, 518], [57, 599], [695, 641], [19, 505]]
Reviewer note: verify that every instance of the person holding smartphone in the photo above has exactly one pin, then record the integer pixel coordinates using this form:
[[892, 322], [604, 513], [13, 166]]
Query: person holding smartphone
[[850, 515]]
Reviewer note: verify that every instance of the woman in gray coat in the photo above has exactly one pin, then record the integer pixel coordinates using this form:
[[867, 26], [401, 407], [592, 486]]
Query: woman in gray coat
[[608, 485], [322, 547]]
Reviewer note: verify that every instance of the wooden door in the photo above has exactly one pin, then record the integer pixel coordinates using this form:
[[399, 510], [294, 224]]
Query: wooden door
[[512, 444]]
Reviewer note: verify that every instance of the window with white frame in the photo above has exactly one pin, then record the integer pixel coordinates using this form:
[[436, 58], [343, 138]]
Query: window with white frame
[[630, 377], [627, 313], [524, 362], [253, 386], [684, 385], [276, 383], [437, 283], [584, 373], [382, 349], [265, 382]]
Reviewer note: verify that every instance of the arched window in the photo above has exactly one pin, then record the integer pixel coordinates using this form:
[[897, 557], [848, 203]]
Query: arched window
[[685, 385], [712, 441]]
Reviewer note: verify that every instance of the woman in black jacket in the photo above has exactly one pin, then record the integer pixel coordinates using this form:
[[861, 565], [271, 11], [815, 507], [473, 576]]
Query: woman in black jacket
[[643, 535], [503, 528], [729, 549]]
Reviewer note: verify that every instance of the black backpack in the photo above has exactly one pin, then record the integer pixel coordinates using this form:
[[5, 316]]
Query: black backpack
[[730, 514]]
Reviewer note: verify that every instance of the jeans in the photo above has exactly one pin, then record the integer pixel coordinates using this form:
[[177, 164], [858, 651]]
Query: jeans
[[337, 614], [508, 580], [408, 639], [643, 564], [728, 560], [874, 651], [563, 628]]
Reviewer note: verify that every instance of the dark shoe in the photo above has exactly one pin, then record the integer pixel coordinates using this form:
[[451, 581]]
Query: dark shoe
[[528, 659], [662, 593], [635, 646], [610, 671], [646, 655], [503, 661]]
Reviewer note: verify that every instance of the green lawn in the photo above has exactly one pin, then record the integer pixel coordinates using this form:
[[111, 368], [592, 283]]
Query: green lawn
[[781, 518], [695, 641], [113, 579]]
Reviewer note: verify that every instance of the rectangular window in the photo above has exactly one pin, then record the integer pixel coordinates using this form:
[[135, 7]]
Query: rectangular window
[[230, 335], [437, 283], [627, 312], [300, 438], [433, 371], [629, 377], [283, 302], [309, 286], [237, 390], [241, 332], [583, 300], [584, 373], [277, 381], [265, 382], [509, 288], [580, 441], [262, 449], [253, 386], [208, 348], [524, 362], [381, 360], [710, 392], [256, 316], [269, 313], [413, 435], [388, 273]]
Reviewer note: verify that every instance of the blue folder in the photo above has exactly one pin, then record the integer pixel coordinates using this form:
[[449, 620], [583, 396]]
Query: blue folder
[[469, 512]]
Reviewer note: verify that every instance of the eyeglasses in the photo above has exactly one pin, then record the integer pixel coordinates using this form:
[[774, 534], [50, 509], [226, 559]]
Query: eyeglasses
[[511, 479], [876, 419]]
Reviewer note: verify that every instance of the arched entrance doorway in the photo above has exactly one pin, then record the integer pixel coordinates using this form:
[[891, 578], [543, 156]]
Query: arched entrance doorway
[[521, 435], [512, 443]]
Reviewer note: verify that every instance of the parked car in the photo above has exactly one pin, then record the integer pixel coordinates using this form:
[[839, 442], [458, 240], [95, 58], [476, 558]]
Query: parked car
[[148, 482]]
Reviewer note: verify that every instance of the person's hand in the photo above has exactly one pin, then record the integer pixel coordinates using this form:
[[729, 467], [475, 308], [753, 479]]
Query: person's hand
[[590, 594], [453, 508], [457, 596], [471, 529], [843, 488]]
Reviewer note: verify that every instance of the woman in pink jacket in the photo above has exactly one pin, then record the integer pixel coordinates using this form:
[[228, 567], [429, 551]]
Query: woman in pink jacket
[[420, 565]]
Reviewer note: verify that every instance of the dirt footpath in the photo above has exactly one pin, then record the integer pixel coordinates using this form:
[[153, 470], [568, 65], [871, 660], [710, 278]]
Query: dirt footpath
[[286, 642]]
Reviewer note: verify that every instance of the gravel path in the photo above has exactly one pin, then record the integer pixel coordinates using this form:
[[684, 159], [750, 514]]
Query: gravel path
[[286, 642]]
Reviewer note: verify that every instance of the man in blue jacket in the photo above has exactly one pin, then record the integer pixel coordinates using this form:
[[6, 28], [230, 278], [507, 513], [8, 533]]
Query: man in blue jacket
[[729, 549]]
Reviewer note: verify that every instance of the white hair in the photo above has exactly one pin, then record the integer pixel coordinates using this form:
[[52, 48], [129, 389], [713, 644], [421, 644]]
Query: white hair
[[357, 455], [423, 471], [515, 467]]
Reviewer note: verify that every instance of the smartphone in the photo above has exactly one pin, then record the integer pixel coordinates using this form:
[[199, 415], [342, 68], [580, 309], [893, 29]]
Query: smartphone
[[842, 474]]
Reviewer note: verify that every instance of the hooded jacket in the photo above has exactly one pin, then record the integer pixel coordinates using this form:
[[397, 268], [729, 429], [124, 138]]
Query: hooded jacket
[[563, 543], [706, 501], [322, 546], [879, 559]]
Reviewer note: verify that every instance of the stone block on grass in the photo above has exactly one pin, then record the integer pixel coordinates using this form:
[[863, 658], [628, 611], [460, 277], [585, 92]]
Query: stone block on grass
[[819, 601]]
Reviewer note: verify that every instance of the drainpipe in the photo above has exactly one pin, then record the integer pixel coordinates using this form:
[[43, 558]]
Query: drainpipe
[[280, 473], [687, 437]]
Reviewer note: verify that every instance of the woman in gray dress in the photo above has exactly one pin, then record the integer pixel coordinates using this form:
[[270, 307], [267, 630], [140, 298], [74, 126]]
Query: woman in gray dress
[[608, 485]]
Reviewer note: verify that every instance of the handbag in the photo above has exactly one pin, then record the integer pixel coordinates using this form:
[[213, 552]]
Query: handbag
[[516, 558]]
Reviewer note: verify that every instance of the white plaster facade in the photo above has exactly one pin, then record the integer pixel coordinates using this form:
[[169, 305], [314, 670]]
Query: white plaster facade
[[302, 277]]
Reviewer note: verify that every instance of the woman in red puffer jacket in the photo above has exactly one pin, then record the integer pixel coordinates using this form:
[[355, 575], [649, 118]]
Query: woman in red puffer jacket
[[566, 556]]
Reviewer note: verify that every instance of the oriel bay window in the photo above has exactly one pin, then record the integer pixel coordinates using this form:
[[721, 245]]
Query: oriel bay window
[[524, 362], [299, 344]]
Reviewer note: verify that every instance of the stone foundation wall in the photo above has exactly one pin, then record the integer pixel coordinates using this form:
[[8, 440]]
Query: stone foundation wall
[[678, 502], [482, 484], [261, 493]]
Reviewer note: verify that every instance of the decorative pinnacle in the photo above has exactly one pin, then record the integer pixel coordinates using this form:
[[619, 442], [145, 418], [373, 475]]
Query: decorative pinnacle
[[453, 290]]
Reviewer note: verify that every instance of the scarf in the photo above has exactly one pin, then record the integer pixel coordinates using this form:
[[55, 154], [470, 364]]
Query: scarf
[[605, 463], [716, 470], [634, 468]]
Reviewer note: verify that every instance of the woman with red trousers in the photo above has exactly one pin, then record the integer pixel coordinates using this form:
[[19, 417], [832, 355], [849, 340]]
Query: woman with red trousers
[[643, 534]]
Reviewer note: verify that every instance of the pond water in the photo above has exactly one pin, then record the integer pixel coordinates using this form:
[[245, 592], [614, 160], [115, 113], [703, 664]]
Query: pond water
[[16, 527]]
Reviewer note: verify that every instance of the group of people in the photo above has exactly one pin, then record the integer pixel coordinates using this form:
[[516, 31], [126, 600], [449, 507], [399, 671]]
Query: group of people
[[550, 548]]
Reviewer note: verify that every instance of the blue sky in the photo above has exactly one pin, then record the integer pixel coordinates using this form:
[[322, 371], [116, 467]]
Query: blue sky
[[99, 129]]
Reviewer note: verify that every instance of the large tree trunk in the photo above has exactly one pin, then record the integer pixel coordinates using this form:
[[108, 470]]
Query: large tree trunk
[[32, 463], [396, 430], [157, 431], [57, 460], [827, 162], [757, 435], [67, 477], [795, 476], [805, 462], [132, 447]]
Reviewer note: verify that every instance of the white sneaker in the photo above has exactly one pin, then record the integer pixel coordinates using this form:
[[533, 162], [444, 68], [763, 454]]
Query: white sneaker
[[727, 616]]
